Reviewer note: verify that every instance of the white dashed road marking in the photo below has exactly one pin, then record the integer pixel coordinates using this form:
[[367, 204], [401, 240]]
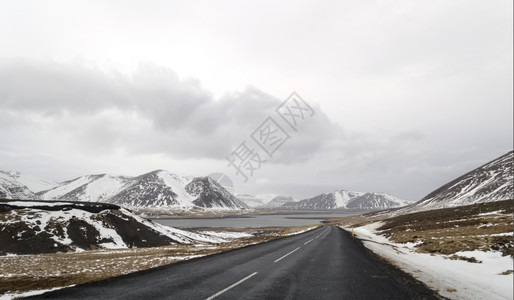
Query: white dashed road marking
[[233, 285], [287, 254]]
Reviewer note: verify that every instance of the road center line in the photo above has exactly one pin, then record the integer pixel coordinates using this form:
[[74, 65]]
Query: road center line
[[287, 254], [308, 241], [233, 285]]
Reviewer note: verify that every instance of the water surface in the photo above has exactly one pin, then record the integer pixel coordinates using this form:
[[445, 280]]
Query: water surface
[[278, 220]]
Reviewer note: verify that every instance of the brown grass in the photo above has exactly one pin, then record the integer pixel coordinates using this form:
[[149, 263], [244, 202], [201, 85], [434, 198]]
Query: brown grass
[[25, 273], [447, 231]]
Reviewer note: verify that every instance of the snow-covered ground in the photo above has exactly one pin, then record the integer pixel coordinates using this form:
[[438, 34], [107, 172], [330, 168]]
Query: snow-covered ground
[[455, 279], [188, 237]]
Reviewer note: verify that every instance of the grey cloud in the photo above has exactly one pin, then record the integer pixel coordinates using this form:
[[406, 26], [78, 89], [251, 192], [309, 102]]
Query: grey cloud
[[151, 111], [51, 88], [314, 135], [408, 136]]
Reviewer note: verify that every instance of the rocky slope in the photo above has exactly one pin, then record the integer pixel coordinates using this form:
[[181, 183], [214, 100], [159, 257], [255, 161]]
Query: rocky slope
[[48, 227], [493, 181]]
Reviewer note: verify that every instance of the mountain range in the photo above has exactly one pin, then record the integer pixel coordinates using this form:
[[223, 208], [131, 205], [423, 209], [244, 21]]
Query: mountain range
[[335, 200], [162, 189], [278, 202], [156, 189], [348, 200]]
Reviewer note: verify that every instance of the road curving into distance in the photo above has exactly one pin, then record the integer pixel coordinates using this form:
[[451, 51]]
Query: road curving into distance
[[325, 263]]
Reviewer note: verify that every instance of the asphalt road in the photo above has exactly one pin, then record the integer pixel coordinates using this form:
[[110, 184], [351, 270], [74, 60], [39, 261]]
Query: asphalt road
[[326, 263]]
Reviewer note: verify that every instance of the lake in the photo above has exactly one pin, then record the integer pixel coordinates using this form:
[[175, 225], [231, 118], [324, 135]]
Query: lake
[[278, 220]]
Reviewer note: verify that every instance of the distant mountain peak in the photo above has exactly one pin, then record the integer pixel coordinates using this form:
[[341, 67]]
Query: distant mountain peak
[[348, 200], [278, 202]]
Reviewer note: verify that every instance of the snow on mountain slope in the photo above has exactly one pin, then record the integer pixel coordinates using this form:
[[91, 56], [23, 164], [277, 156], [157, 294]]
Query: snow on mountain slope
[[10, 188], [90, 188], [209, 194], [250, 200], [376, 201], [154, 189], [48, 227], [66, 187], [278, 201], [336, 199], [490, 182], [177, 184], [266, 198], [343, 197], [349, 200], [102, 187], [33, 183]]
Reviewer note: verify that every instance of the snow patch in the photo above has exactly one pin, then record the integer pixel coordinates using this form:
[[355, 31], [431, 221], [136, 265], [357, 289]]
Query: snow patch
[[470, 280], [31, 293]]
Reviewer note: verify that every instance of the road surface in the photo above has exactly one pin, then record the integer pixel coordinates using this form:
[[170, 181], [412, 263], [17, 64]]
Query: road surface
[[326, 263]]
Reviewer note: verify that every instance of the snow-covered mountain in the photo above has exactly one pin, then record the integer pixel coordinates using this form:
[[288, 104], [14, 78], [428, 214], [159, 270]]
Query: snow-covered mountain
[[210, 194], [154, 189], [256, 200], [157, 189], [48, 227], [265, 201], [278, 201], [336, 199], [250, 200], [89, 188], [34, 184], [349, 200], [11, 188], [493, 181], [376, 201]]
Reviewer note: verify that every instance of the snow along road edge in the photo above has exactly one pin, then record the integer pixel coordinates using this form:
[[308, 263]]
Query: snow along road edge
[[454, 279]]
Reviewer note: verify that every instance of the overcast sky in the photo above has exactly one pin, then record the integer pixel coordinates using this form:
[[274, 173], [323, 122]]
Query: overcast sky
[[406, 95]]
